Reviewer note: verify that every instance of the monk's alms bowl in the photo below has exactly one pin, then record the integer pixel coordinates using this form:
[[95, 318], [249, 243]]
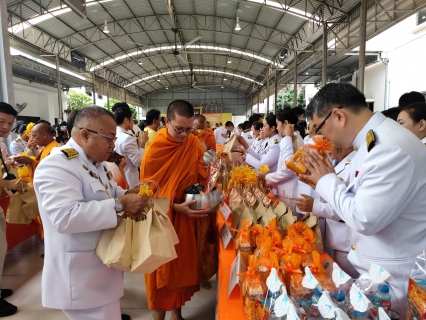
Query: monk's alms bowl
[[209, 157], [206, 201]]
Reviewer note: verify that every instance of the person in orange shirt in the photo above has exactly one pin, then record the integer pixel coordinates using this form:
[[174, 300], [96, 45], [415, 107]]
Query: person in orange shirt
[[206, 135], [42, 136], [175, 161]]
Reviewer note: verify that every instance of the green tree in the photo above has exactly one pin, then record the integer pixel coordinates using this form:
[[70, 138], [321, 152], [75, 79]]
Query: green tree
[[287, 98], [77, 100], [113, 101]]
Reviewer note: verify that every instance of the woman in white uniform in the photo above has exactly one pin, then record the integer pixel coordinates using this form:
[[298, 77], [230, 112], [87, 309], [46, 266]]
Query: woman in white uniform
[[271, 151], [258, 139], [127, 145], [413, 117], [284, 180]]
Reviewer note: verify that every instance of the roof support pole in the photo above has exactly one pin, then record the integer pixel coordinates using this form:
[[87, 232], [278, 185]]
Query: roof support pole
[[276, 92], [125, 95], [59, 88], [6, 79], [295, 80], [267, 95], [258, 100], [107, 85], [94, 87], [324, 53], [363, 39]]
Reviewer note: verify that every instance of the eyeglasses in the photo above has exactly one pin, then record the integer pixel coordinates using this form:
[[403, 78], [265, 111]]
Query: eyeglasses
[[318, 130], [180, 130], [109, 138]]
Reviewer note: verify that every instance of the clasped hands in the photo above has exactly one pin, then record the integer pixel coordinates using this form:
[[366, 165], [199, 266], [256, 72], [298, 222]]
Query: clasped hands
[[317, 168]]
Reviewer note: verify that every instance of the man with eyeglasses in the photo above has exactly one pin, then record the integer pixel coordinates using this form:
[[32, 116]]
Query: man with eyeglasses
[[78, 200], [175, 161], [383, 204]]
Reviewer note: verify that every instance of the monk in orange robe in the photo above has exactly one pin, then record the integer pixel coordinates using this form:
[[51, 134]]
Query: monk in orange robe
[[174, 161], [203, 133], [42, 136]]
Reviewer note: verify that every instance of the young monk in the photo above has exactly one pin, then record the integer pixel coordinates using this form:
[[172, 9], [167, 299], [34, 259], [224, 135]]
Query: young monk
[[203, 133], [174, 161]]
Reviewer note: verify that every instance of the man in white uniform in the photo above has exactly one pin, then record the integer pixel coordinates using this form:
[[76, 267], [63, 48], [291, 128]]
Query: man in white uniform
[[383, 205], [78, 200], [218, 134]]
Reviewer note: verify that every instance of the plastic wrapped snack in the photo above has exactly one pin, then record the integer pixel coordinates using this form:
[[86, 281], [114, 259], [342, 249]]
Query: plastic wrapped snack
[[417, 289], [321, 146], [252, 283]]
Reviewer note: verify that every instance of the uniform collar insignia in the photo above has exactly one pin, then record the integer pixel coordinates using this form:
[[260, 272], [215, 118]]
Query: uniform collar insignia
[[109, 175], [370, 139], [276, 141], [70, 153]]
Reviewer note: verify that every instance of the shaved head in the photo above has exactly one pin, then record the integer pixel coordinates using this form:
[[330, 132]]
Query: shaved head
[[200, 121], [90, 115], [180, 107], [42, 128]]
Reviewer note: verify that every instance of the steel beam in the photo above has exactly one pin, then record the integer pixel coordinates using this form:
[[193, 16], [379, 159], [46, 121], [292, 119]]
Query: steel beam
[[6, 79], [295, 81], [94, 87], [276, 92], [363, 39], [267, 95], [59, 88], [109, 108], [324, 54]]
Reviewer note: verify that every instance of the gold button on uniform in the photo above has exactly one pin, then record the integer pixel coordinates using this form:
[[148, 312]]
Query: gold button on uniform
[[353, 247]]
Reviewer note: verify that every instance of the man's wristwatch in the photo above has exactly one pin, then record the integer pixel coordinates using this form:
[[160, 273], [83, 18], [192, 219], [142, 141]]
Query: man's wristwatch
[[118, 207]]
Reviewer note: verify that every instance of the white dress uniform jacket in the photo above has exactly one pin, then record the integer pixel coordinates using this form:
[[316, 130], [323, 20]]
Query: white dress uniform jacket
[[384, 204], [269, 156], [75, 208], [284, 180], [218, 135], [17, 146], [424, 141], [127, 146], [248, 136]]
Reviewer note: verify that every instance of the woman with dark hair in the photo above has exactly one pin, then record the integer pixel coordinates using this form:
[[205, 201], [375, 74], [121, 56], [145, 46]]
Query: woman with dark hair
[[127, 145], [256, 128], [271, 151], [413, 117], [284, 180]]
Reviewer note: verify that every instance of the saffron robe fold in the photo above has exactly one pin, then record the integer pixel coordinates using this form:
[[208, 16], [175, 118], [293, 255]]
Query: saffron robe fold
[[208, 138]]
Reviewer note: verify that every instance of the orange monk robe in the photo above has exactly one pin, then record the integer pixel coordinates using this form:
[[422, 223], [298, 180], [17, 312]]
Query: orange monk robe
[[207, 136], [43, 154], [174, 166]]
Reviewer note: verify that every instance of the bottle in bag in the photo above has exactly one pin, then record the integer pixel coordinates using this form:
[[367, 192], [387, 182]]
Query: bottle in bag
[[313, 308], [382, 298]]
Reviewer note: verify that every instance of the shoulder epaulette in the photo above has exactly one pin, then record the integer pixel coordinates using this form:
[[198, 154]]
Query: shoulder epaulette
[[70, 153], [370, 139], [247, 130], [276, 141], [17, 139]]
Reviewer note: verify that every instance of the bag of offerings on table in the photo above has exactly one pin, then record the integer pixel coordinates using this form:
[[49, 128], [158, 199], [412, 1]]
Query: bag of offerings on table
[[417, 290]]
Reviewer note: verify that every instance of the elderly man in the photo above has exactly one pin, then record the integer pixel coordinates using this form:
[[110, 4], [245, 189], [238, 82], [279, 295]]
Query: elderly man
[[383, 204], [78, 200]]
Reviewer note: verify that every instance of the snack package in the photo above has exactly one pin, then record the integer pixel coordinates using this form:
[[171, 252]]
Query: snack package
[[243, 242], [321, 146], [417, 289], [318, 270], [293, 276], [252, 283]]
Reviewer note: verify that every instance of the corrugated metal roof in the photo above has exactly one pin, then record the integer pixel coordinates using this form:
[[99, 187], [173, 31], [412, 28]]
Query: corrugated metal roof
[[261, 34]]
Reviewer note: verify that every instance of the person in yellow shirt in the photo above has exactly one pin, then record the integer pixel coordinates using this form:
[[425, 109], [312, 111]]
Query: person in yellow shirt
[[152, 123]]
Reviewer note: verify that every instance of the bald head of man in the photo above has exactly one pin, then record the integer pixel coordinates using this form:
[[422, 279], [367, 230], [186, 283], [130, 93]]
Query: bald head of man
[[200, 122], [42, 134]]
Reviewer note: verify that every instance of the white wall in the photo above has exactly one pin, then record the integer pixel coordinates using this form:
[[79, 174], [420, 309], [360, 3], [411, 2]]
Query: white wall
[[374, 85], [310, 92], [42, 100]]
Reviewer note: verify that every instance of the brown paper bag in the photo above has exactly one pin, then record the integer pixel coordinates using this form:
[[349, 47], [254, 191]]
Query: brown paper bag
[[151, 245], [286, 219], [267, 216], [115, 245], [162, 206], [22, 208], [232, 144], [259, 211]]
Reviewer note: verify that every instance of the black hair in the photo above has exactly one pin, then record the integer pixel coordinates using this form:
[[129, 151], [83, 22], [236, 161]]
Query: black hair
[[151, 116], [229, 123], [334, 95], [43, 121], [122, 111], [255, 117], [246, 125], [410, 97], [141, 125], [8, 109], [22, 128], [271, 120], [92, 112], [71, 118], [180, 107], [299, 111], [163, 120], [291, 117], [416, 111], [392, 113], [241, 126], [257, 125]]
